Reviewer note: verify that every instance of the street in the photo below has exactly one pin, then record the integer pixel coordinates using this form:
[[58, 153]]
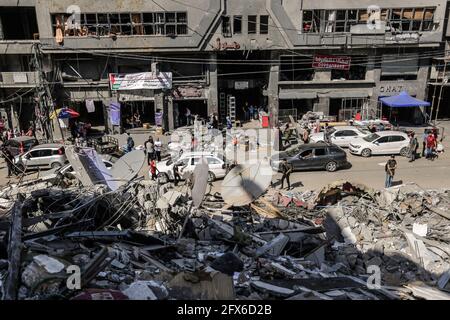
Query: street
[[367, 171]]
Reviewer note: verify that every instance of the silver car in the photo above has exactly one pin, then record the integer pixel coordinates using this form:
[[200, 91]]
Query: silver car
[[44, 156]]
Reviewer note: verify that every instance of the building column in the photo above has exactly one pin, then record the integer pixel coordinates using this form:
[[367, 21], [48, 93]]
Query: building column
[[272, 89], [170, 112], [161, 103], [14, 118], [213, 102], [322, 105]]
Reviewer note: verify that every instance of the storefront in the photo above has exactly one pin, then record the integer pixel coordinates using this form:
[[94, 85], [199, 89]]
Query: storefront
[[188, 97]]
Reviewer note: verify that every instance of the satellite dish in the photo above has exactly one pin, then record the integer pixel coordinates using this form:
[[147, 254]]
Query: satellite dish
[[200, 174], [246, 183], [128, 167]]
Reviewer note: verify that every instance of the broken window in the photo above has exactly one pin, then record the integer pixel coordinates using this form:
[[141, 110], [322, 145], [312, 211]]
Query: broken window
[[105, 24], [339, 21], [296, 68], [252, 24], [237, 24], [311, 21], [138, 28], [411, 19], [18, 23], [264, 24], [226, 26]]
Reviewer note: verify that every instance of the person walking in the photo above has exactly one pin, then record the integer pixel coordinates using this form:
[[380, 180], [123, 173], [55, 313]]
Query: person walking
[[176, 173], [149, 147], [158, 147], [153, 170], [30, 132], [413, 146], [9, 158], [424, 144], [278, 143], [431, 144], [215, 122], [229, 123], [286, 170], [250, 112], [130, 143], [390, 168], [188, 115], [245, 111], [306, 136], [326, 136]]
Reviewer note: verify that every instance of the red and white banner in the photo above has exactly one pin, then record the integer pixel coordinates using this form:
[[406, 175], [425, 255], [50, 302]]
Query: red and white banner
[[331, 62]]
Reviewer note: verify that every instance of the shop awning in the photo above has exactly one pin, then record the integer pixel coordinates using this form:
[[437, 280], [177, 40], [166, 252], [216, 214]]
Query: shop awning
[[298, 94], [403, 100]]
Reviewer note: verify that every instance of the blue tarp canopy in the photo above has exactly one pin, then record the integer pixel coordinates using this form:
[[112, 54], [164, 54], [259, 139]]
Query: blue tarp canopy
[[403, 100]]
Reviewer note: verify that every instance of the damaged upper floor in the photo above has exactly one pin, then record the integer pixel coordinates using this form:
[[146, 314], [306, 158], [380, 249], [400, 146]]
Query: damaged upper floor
[[222, 25]]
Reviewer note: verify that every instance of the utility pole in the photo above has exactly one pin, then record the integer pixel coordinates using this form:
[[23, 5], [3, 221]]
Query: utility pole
[[43, 96]]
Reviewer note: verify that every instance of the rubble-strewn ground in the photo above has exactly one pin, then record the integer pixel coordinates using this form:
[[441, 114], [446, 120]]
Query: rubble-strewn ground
[[140, 243], [324, 240]]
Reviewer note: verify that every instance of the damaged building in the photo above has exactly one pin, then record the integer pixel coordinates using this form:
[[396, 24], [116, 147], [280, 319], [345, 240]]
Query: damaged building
[[291, 57]]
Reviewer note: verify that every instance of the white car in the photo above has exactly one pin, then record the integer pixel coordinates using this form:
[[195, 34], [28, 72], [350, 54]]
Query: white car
[[67, 170], [187, 163], [384, 142], [341, 136]]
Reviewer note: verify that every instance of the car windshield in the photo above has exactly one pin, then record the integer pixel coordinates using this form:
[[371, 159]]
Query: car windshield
[[371, 138], [293, 152], [331, 130]]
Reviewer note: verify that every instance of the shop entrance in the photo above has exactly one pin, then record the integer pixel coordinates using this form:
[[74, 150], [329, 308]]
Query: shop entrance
[[144, 109], [243, 76], [197, 107], [344, 109], [243, 98], [297, 107]]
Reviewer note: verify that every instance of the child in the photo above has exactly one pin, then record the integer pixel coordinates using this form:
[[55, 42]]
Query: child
[[153, 169]]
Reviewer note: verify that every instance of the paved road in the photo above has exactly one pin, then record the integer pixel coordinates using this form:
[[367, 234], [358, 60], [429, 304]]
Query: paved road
[[428, 174]]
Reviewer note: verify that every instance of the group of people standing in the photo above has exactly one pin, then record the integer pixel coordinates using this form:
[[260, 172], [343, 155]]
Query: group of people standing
[[429, 151], [8, 134], [251, 112], [152, 149]]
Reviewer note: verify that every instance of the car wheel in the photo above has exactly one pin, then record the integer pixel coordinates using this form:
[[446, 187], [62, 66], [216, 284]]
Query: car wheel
[[366, 153], [211, 177], [163, 178], [56, 165], [331, 166], [404, 152]]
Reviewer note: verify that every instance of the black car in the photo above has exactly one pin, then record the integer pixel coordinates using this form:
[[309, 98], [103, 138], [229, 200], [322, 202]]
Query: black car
[[315, 156]]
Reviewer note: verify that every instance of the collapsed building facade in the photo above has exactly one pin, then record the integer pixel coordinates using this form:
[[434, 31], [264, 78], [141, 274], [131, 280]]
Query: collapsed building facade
[[291, 56]]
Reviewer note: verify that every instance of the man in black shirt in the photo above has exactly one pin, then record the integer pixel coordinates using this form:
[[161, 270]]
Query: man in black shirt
[[286, 169], [390, 168], [9, 158]]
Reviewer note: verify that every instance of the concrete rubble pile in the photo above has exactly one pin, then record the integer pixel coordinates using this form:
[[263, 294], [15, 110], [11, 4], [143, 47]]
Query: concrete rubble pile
[[145, 241]]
